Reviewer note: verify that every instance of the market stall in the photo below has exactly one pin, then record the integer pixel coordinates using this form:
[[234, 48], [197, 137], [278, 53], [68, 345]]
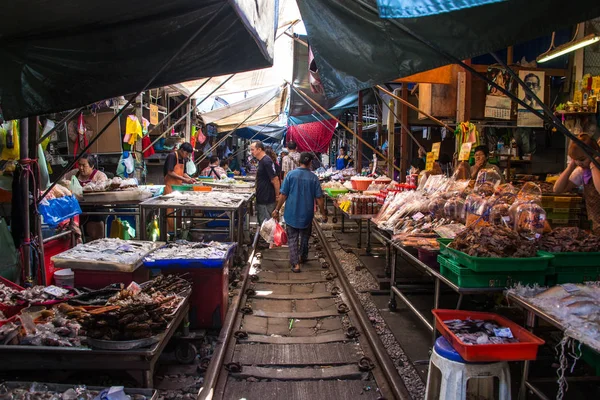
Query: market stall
[[109, 329], [193, 203], [106, 261]]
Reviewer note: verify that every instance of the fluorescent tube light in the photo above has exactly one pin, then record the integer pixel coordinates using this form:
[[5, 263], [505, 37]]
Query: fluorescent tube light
[[568, 47]]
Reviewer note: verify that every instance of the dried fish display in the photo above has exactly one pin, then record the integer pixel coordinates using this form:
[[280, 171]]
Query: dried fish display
[[32, 295], [110, 250], [184, 250], [6, 294], [136, 312], [115, 183], [493, 241], [562, 240], [476, 331]]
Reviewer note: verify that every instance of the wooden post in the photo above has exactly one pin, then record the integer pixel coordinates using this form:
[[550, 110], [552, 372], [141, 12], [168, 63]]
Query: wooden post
[[469, 79], [509, 55], [403, 135], [359, 128]]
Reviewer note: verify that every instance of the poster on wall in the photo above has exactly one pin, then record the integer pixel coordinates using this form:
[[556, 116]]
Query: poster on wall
[[497, 104], [534, 81]]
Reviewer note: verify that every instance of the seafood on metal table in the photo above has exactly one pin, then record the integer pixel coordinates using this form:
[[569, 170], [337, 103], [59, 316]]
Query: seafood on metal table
[[182, 250], [476, 331]]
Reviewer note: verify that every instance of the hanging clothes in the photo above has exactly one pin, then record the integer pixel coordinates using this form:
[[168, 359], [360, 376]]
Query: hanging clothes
[[146, 142], [133, 130]]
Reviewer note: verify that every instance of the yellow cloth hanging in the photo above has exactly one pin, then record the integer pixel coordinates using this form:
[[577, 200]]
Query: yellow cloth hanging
[[133, 130], [10, 139]]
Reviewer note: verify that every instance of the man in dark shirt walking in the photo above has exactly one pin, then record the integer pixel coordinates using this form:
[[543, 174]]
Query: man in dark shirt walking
[[267, 182], [300, 188]]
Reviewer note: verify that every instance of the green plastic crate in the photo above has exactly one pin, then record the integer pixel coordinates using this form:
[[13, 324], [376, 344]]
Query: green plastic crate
[[336, 192], [466, 278], [444, 246], [559, 275], [183, 188], [591, 357], [572, 259], [489, 264]]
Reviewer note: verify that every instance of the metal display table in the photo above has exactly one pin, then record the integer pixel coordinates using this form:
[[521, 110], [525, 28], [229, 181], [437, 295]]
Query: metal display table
[[142, 361], [391, 261], [117, 208], [533, 312], [164, 203], [359, 221]]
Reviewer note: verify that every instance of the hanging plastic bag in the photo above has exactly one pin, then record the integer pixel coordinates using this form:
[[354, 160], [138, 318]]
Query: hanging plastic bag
[[55, 211], [267, 230], [190, 168], [75, 186], [279, 235]]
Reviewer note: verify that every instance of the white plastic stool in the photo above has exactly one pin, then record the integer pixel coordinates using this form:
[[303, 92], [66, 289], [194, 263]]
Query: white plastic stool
[[448, 377]]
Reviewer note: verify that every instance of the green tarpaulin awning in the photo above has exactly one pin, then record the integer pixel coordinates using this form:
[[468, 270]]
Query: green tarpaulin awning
[[58, 55], [355, 49]]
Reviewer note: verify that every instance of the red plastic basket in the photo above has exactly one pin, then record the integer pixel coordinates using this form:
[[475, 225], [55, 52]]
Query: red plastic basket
[[9, 310], [526, 349]]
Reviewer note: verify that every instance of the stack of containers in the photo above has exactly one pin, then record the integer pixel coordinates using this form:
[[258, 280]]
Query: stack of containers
[[481, 272], [564, 210]]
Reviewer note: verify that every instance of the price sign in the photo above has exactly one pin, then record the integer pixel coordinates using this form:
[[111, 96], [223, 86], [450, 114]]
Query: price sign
[[465, 152], [430, 161], [435, 149], [153, 114]]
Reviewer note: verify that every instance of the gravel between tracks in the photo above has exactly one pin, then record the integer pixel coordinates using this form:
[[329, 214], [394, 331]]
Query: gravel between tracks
[[362, 282]]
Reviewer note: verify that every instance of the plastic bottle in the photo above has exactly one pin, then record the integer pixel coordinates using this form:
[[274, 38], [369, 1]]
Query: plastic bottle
[[500, 146]]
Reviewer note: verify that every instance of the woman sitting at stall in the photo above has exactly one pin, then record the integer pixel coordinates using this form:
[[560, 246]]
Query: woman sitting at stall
[[214, 169], [581, 172], [482, 155], [86, 173]]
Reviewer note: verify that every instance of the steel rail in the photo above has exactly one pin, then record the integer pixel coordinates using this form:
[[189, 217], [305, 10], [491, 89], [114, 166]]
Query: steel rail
[[390, 373]]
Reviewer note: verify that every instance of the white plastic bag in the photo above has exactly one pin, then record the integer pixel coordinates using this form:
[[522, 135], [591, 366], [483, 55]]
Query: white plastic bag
[[190, 168], [75, 186], [267, 230]]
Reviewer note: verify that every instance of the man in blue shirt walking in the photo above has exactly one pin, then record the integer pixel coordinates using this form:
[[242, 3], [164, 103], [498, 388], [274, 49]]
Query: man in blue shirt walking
[[300, 188]]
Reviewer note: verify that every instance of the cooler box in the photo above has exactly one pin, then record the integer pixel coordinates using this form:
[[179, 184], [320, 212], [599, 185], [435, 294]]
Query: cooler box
[[210, 286]]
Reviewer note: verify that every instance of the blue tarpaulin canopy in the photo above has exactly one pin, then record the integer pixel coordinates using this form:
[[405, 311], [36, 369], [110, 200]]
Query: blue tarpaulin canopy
[[264, 133], [422, 8]]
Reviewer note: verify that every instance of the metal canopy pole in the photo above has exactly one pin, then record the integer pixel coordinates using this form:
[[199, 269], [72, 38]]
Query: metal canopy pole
[[182, 118], [548, 115], [204, 156], [132, 99], [62, 121]]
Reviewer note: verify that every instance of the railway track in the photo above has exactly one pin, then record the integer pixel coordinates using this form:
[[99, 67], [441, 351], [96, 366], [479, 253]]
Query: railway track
[[299, 336]]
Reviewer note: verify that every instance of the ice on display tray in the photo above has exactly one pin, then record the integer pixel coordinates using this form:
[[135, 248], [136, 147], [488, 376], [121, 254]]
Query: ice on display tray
[[573, 307], [208, 200], [190, 254], [524, 348], [106, 255]]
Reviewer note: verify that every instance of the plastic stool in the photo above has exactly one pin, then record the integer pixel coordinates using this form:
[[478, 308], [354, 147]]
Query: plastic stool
[[449, 374]]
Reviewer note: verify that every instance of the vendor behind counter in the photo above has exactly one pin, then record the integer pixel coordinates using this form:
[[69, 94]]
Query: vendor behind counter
[[482, 156], [87, 173]]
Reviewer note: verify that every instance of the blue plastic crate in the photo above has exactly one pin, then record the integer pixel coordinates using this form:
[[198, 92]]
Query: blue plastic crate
[[191, 263]]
